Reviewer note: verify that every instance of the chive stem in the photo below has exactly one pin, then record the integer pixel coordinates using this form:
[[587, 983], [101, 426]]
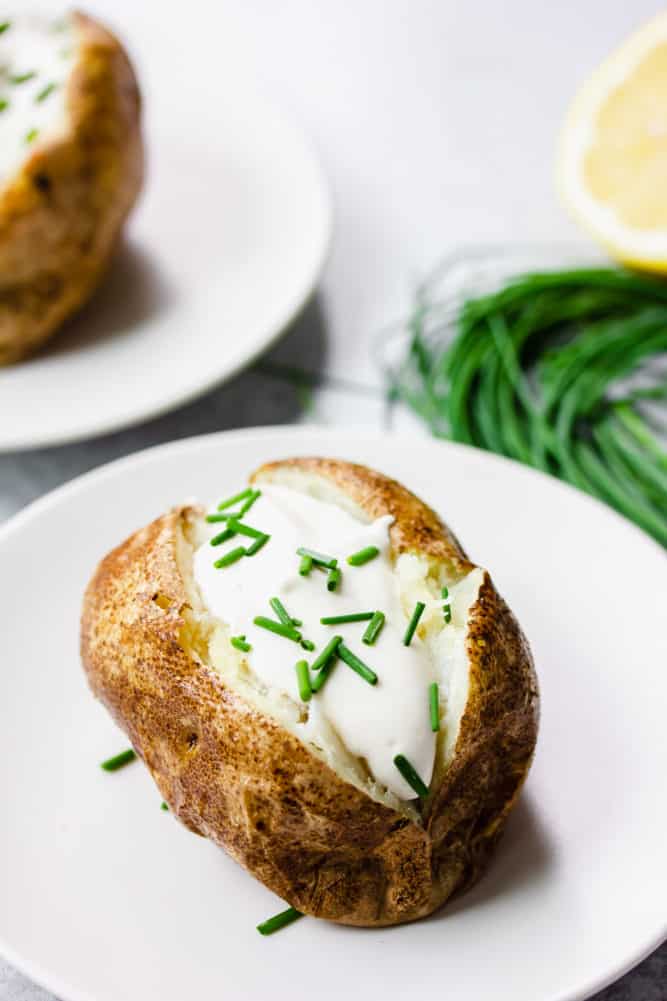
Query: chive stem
[[373, 629], [163, 805], [257, 545], [320, 678], [303, 679], [412, 624], [247, 530], [233, 500], [221, 537], [335, 620], [319, 559], [231, 557], [279, 921], [119, 760], [308, 645], [279, 628], [351, 659], [410, 775], [282, 613], [240, 643], [325, 655], [363, 556], [434, 706], [333, 579], [45, 92], [306, 565], [446, 608]]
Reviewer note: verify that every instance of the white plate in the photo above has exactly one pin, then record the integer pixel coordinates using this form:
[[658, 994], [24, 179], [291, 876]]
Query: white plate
[[225, 247], [106, 898]]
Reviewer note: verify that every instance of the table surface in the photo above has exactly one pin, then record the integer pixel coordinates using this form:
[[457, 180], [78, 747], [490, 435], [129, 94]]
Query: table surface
[[436, 122]]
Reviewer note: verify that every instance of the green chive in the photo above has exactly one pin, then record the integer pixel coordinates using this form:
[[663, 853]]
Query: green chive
[[231, 557], [247, 504], [434, 705], [303, 678], [318, 681], [307, 644], [257, 545], [239, 643], [23, 77], [412, 624], [5, 27], [31, 135], [278, 627], [228, 533], [410, 775], [319, 559], [351, 659], [335, 620], [326, 654], [45, 92], [248, 530], [3, 104], [233, 500], [163, 806], [214, 518], [279, 921], [333, 579], [363, 556], [446, 609], [124, 758], [282, 613], [445, 592], [373, 629], [305, 566]]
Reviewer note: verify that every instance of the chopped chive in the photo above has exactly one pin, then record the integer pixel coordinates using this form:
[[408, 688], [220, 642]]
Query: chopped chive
[[308, 645], [319, 559], [333, 579], [222, 516], [335, 620], [3, 104], [23, 77], [410, 775], [434, 706], [31, 135], [303, 678], [231, 557], [318, 681], [247, 504], [257, 545], [363, 556], [282, 613], [238, 526], [305, 566], [446, 609], [239, 643], [373, 629], [221, 537], [279, 921], [445, 592], [351, 659], [412, 624], [328, 652], [5, 27], [232, 500], [163, 805], [278, 627], [45, 92], [119, 760]]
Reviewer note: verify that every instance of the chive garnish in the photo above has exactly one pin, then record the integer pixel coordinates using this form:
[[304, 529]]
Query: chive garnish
[[220, 516], [303, 678], [446, 608], [333, 579], [305, 566], [221, 537], [231, 557], [363, 556], [434, 706], [31, 135], [323, 673], [248, 530], [373, 629], [410, 775], [233, 500], [412, 624], [163, 805], [278, 627], [119, 760], [327, 653], [45, 92], [239, 643], [279, 921], [23, 77], [335, 620], [351, 659], [319, 559], [5, 26], [247, 504], [282, 613], [307, 645], [3, 104], [257, 545]]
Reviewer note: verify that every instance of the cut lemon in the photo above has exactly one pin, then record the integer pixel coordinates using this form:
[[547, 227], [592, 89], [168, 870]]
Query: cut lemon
[[612, 163]]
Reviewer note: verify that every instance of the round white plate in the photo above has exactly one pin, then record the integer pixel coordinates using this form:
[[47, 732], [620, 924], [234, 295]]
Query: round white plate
[[226, 245], [107, 898]]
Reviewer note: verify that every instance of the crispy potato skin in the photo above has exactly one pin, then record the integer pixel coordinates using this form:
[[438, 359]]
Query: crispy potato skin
[[237, 777], [62, 212]]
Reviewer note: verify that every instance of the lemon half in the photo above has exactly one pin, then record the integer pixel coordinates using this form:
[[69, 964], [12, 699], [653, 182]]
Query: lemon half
[[612, 161]]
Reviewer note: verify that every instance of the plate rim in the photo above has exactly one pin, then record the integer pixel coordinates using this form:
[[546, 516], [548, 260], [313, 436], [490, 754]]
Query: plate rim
[[295, 434]]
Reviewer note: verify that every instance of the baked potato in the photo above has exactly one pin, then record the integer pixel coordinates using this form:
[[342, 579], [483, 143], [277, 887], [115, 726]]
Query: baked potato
[[71, 167], [366, 802]]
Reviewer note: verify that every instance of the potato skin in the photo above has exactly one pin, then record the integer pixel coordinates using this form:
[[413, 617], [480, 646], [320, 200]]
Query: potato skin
[[237, 777], [62, 212]]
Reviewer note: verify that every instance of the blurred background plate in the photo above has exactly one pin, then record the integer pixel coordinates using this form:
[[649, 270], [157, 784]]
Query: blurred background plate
[[225, 247], [106, 897]]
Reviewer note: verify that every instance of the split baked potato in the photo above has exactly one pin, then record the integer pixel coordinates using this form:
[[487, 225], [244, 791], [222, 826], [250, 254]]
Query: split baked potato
[[235, 759], [71, 167]]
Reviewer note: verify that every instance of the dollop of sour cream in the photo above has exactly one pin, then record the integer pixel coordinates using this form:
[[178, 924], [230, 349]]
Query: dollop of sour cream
[[37, 55], [374, 722]]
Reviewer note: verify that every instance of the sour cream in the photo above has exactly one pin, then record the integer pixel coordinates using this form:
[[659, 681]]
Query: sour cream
[[375, 723], [37, 55]]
